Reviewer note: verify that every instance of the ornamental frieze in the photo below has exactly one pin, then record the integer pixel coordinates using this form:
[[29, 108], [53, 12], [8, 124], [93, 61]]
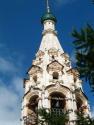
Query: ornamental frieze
[[37, 62], [73, 72], [54, 32], [65, 56], [53, 51], [40, 53]]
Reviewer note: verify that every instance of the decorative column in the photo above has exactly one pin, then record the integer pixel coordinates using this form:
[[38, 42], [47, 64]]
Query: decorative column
[[39, 101]]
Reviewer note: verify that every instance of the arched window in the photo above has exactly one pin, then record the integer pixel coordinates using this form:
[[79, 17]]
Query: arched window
[[35, 78], [33, 103], [79, 104], [55, 75], [57, 102], [31, 118]]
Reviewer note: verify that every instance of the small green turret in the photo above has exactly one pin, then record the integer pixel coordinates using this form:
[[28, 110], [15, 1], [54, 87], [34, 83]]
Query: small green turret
[[48, 15]]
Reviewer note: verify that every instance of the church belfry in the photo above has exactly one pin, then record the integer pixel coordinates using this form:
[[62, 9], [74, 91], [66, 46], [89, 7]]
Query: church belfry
[[52, 83]]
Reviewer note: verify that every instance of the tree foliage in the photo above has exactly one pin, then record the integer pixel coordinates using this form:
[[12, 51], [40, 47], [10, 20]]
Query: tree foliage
[[84, 120], [84, 46], [51, 118]]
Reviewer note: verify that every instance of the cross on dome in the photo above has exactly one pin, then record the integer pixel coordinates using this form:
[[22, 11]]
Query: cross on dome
[[48, 7]]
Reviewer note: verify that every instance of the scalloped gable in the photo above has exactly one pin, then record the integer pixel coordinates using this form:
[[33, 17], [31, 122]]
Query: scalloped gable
[[73, 71], [34, 69], [55, 65]]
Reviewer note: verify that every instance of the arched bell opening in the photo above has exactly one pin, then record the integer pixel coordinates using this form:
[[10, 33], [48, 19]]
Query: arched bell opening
[[33, 104], [80, 105], [31, 117], [58, 103]]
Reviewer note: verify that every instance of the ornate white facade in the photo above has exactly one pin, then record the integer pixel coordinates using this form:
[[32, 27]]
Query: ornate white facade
[[51, 78]]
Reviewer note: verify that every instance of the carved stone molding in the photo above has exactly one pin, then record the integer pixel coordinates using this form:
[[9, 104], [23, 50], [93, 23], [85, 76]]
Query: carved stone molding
[[68, 64], [53, 51], [37, 62], [65, 56], [30, 94], [68, 99], [55, 81], [35, 69], [57, 88], [55, 66], [73, 72], [49, 31], [81, 95], [40, 53]]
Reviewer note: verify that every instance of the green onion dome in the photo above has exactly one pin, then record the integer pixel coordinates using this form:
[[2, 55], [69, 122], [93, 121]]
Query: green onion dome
[[48, 16]]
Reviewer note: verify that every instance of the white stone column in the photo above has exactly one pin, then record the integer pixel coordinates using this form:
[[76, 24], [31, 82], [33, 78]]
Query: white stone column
[[24, 107], [46, 101], [74, 106], [40, 101], [71, 106]]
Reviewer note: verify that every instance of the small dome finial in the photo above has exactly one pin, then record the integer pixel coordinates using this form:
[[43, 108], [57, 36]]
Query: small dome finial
[[48, 15]]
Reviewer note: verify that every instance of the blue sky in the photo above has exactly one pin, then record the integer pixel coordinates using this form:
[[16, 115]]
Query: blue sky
[[20, 37]]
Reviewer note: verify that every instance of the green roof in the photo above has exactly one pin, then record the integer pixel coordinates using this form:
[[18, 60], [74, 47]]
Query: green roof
[[48, 16]]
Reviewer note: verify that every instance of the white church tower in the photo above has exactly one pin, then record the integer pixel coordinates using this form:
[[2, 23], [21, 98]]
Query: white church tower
[[52, 83]]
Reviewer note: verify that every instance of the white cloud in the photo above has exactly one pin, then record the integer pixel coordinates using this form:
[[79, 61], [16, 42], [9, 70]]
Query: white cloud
[[9, 106], [7, 66], [11, 89], [18, 85], [10, 123], [10, 101]]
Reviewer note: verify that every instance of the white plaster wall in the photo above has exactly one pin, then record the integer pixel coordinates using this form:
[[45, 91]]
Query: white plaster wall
[[49, 25]]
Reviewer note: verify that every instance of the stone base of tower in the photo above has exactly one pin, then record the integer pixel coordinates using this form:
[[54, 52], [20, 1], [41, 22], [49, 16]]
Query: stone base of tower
[[55, 97]]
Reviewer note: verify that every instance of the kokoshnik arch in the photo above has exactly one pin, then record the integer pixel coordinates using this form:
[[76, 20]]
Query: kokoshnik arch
[[52, 83]]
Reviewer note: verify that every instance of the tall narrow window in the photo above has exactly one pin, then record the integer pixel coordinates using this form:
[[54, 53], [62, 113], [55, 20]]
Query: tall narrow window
[[35, 78], [55, 75], [53, 57]]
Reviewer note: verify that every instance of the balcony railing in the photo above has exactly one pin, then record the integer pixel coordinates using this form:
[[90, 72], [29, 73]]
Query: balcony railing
[[57, 111]]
